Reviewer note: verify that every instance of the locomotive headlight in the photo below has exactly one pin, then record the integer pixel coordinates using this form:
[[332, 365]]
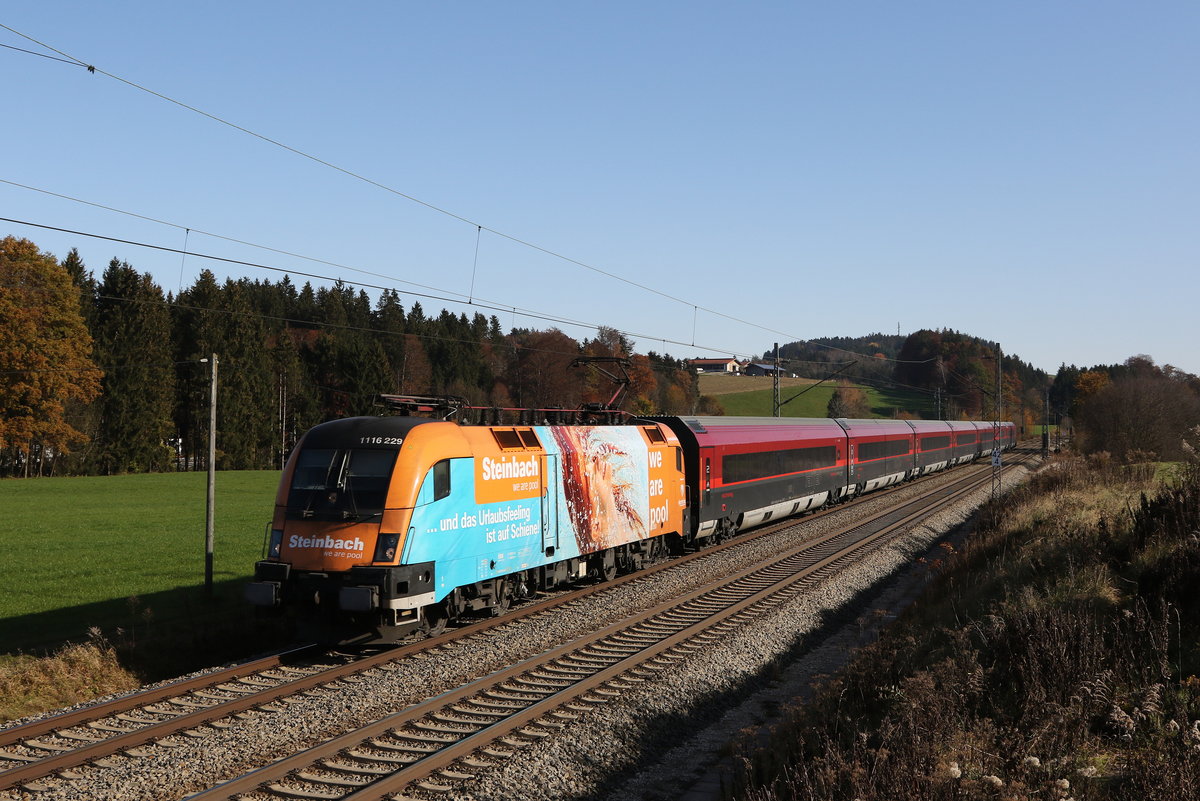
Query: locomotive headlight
[[385, 547], [274, 541]]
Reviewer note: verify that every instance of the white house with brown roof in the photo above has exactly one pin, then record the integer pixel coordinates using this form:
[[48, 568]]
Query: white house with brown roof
[[730, 366]]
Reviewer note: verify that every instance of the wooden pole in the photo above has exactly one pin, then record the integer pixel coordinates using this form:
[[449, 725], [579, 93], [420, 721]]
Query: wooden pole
[[212, 480]]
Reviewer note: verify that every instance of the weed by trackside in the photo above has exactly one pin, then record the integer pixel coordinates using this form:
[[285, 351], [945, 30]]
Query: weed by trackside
[[1053, 658]]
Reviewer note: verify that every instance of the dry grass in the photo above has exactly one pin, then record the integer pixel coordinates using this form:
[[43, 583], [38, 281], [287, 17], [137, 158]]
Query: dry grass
[[1053, 658], [152, 651], [74, 674]]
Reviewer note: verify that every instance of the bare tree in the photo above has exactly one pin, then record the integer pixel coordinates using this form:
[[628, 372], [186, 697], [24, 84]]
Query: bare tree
[[1143, 414]]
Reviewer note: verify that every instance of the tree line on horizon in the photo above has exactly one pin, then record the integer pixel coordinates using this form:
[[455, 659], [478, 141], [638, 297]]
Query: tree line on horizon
[[104, 375], [1134, 411]]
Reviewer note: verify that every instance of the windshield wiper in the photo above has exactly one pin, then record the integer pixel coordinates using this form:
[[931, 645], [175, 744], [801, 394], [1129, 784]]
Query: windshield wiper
[[348, 490]]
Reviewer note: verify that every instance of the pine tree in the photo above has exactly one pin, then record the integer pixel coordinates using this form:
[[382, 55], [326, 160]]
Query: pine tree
[[81, 415], [298, 405], [197, 336], [389, 320], [133, 341], [245, 424]]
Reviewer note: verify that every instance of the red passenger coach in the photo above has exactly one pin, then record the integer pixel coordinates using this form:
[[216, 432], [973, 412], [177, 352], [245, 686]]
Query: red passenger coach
[[881, 453], [742, 472], [935, 445], [987, 437], [749, 470], [966, 441]]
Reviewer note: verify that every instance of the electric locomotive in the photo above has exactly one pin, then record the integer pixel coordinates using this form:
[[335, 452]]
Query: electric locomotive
[[390, 524]]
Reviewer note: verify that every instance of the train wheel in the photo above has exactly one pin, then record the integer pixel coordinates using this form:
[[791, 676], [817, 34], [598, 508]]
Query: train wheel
[[609, 571], [503, 598], [434, 619], [657, 551], [605, 565]]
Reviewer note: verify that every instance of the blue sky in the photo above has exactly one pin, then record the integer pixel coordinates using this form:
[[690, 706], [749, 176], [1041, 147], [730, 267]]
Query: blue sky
[[1023, 172]]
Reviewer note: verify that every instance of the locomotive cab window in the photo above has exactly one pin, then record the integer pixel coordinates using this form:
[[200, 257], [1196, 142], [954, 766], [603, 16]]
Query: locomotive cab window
[[340, 484], [441, 479]]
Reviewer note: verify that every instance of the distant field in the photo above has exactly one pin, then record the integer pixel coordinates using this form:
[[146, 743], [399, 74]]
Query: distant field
[[715, 384], [75, 550], [751, 396]]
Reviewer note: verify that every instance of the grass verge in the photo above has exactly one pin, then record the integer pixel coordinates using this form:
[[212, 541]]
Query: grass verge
[[77, 673], [103, 583]]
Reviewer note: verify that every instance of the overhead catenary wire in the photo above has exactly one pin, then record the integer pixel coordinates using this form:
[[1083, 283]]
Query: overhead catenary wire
[[311, 324], [470, 300], [227, 260], [99, 369], [91, 68], [183, 258], [231, 239], [475, 264], [446, 296], [72, 62], [287, 321]]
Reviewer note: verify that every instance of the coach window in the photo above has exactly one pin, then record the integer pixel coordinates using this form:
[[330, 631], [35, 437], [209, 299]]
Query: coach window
[[441, 479]]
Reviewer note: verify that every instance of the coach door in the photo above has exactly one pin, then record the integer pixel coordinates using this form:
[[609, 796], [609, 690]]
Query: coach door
[[550, 505]]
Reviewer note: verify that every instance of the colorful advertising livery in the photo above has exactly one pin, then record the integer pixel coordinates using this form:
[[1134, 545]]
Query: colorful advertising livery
[[412, 520]]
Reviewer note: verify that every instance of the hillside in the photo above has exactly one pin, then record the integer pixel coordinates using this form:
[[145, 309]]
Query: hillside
[[751, 396]]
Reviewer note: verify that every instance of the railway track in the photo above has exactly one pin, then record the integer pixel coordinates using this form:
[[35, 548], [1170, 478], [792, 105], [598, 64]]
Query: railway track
[[448, 738]]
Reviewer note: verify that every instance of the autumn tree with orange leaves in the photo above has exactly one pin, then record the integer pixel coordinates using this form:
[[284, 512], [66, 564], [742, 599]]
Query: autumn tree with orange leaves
[[45, 358]]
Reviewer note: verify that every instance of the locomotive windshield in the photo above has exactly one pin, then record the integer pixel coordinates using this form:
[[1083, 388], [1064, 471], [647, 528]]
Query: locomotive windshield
[[331, 484]]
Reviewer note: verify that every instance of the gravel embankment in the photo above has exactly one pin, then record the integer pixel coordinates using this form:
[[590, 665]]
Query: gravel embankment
[[712, 696]]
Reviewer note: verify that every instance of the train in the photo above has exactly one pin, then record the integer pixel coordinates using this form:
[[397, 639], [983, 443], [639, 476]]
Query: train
[[392, 524]]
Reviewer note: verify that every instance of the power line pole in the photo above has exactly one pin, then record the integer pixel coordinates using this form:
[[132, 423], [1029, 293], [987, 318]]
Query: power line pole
[[775, 382], [996, 464], [1046, 428], [210, 507]]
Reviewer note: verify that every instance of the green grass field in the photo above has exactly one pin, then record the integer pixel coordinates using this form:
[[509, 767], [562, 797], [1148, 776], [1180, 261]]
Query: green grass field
[[813, 403], [121, 551]]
